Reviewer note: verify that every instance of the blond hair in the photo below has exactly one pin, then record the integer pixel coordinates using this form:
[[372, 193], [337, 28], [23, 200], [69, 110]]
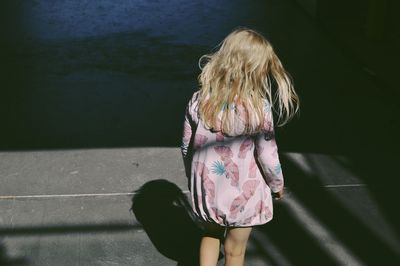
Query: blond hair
[[235, 85]]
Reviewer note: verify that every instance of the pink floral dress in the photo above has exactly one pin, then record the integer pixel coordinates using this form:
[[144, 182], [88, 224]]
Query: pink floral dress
[[230, 178]]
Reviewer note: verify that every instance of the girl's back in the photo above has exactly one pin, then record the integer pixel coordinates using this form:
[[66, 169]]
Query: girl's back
[[228, 144], [226, 183]]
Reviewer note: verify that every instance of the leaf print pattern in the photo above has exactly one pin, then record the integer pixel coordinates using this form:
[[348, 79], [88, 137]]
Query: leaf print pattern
[[238, 204], [231, 169], [246, 146], [249, 187], [218, 168], [261, 208], [208, 185], [209, 188], [224, 151], [232, 172], [252, 168], [199, 140]]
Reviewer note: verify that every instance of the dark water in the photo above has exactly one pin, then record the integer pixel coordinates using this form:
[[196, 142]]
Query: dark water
[[78, 74], [105, 73]]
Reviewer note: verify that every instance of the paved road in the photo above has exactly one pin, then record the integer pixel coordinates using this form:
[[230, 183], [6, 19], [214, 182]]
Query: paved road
[[73, 208]]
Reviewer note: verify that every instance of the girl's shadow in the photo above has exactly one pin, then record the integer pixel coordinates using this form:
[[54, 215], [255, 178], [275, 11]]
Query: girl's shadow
[[166, 216]]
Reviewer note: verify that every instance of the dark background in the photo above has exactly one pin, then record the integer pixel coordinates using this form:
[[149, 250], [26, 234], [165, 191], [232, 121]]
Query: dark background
[[119, 73]]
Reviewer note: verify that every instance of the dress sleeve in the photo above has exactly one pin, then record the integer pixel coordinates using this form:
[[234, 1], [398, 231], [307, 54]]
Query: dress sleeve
[[188, 130], [187, 133], [267, 154]]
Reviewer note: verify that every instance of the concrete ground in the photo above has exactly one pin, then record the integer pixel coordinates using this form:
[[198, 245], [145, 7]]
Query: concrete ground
[[74, 209], [74, 152]]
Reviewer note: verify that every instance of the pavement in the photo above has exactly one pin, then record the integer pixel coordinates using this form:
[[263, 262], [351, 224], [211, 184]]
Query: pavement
[[75, 209], [74, 152]]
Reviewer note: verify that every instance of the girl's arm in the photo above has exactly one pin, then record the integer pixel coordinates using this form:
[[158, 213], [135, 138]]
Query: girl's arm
[[268, 158], [267, 154], [186, 139], [187, 134]]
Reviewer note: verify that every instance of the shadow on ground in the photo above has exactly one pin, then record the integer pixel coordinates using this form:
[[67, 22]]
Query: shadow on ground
[[164, 212], [58, 229], [301, 246], [6, 260]]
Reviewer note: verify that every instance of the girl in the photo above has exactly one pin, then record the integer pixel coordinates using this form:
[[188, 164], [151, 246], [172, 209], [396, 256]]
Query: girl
[[229, 147]]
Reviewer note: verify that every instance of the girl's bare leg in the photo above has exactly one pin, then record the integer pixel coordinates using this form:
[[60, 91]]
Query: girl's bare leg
[[235, 245], [210, 244], [209, 251]]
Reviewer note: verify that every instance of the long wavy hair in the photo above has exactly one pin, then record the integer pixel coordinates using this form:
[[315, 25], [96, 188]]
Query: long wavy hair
[[236, 85]]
